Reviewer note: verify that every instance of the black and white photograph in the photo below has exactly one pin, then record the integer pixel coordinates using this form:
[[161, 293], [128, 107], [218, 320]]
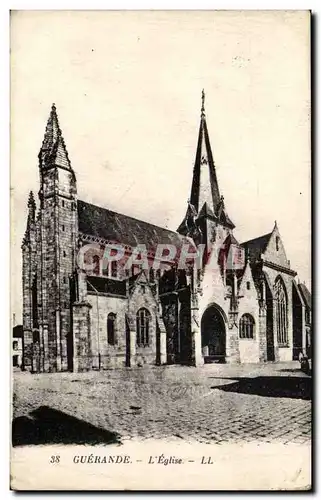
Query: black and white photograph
[[161, 307]]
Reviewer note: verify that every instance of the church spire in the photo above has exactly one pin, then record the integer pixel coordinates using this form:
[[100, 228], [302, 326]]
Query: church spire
[[53, 149], [205, 195], [204, 185]]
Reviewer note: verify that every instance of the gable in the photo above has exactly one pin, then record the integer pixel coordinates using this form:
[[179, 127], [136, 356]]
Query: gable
[[141, 294], [247, 278], [139, 285], [275, 251]]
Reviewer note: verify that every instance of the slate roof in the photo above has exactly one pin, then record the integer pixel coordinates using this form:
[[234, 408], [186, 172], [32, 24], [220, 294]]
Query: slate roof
[[104, 223], [256, 246], [306, 294], [105, 285], [225, 220]]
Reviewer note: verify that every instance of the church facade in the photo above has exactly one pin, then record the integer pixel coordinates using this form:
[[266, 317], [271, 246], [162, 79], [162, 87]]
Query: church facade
[[83, 309]]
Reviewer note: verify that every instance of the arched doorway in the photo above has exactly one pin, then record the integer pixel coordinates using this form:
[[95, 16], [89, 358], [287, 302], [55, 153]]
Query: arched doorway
[[213, 334]]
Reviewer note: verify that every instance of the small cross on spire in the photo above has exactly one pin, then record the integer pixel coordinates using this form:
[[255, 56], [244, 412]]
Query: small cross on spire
[[203, 103]]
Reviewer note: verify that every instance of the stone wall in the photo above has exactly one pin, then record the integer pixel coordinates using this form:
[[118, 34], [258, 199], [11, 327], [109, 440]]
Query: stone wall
[[125, 351], [142, 296], [104, 355], [249, 304], [82, 360]]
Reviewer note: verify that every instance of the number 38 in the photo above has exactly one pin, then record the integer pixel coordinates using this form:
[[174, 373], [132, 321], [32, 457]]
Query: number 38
[[55, 459]]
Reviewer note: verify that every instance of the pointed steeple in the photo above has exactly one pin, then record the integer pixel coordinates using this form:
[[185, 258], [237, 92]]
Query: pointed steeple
[[205, 195], [53, 149], [204, 185]]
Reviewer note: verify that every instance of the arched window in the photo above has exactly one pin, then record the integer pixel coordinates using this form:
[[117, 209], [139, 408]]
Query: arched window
[[142, 326], [111, 320], [281, 312], [247, 327]]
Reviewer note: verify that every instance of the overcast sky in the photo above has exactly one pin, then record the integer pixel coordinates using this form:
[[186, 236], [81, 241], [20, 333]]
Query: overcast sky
[[127, 86]]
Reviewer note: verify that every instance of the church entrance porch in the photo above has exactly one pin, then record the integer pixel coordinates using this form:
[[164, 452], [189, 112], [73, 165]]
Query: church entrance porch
[[213, 335]]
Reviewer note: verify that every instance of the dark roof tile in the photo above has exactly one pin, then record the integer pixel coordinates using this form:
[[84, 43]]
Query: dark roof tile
[[306, 294], [104, 223], [256, 246]]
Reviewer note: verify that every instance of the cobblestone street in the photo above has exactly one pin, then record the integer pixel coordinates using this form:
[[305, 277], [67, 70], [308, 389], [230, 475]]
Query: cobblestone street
[[212, 404]]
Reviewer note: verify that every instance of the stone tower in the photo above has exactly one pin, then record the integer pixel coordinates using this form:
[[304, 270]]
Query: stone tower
[[49, 253]]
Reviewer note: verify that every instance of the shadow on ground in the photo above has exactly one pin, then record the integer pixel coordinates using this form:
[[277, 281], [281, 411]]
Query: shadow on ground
[[274, 387], [49, 426]]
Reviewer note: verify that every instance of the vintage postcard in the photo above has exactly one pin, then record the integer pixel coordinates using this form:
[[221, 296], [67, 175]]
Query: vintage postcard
[[161, 244]]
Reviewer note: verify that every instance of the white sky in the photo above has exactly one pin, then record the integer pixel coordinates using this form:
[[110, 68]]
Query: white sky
[[127, 86]]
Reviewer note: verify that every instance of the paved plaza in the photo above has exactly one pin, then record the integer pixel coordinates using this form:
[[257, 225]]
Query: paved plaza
[[211, 404]]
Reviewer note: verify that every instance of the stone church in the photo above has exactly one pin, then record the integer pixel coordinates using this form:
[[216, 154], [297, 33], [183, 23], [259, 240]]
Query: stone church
[[236, 303]]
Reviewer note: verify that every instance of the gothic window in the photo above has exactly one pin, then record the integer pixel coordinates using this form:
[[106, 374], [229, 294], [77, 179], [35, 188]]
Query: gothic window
[[143, 318], [111, 321], [248, 285], [64, 253], [63, 227], [281, 312], [277, 241], [247, 327], [63, 203], [15, 345]]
